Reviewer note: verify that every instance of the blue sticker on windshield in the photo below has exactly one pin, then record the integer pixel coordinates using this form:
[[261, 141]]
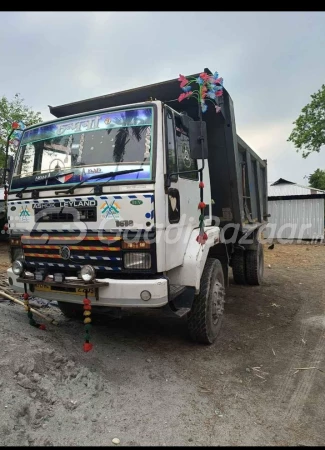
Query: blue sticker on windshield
[[109, 120], [75, 150]]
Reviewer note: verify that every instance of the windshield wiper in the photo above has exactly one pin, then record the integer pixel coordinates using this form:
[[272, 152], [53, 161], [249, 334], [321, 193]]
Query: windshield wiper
[[101, 175], [53, 177]]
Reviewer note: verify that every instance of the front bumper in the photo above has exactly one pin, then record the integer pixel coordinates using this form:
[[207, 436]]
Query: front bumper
[[116, 293]]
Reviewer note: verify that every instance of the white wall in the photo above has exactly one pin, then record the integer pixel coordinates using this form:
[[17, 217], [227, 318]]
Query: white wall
[[296, 219]]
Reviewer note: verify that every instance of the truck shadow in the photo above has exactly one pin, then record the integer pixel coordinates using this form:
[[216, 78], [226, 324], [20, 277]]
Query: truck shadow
[[141, 326], [160, 326]]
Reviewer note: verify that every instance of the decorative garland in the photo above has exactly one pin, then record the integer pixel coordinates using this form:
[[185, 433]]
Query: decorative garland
[[32, 321], [87, 321], [210, 87]]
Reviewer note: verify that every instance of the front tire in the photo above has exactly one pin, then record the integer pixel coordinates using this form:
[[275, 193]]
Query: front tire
[[205, 317]]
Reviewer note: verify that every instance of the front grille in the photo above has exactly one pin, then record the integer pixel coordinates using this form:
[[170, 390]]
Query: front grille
[[104, 253]]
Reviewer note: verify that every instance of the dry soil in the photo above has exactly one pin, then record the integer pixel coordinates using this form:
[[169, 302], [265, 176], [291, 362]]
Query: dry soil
[[145, 383]]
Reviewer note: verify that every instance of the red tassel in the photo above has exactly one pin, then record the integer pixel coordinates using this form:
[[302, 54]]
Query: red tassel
[[26, 296], [201, 184], [202, 205], [202, 238], [42, 327], [86, 301], [87, 346]]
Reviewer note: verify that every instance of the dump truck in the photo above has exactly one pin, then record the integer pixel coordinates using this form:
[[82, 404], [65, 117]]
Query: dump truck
[[104, 199]]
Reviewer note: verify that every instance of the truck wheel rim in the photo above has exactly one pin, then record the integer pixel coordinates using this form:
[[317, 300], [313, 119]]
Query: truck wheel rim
[[218, 300]]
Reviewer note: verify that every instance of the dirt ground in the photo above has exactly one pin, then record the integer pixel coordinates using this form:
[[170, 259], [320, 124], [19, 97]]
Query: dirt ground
[[145, 383]]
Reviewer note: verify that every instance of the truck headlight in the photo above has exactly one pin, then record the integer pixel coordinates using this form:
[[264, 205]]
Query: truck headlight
[[17, 267], [137, 260], [87, 273]]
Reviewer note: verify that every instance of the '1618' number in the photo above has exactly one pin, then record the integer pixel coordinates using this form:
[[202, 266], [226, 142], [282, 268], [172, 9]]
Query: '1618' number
[[124, 223]]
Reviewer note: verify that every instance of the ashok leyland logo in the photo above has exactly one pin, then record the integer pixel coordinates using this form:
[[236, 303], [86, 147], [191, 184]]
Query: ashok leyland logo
[[64, 252], [24, 214], [110, 208]]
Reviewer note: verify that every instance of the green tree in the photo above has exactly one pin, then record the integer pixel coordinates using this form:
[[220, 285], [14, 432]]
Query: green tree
[[11, 111], [308, 134], [317, 179]]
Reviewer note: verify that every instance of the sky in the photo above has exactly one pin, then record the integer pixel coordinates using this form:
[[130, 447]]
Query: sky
[[271, 63]]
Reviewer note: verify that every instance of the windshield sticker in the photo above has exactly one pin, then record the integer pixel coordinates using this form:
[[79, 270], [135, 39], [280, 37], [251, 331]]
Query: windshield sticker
[[147, 143], [185, 153], [109, 120], [83, 175], [120, 141], [65, 178], [81, 147]]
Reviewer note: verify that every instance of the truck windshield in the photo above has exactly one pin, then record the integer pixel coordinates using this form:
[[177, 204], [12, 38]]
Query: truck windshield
[[84, 146]]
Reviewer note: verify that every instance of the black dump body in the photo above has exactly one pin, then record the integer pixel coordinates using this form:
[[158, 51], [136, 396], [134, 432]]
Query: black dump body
[[238, 176]]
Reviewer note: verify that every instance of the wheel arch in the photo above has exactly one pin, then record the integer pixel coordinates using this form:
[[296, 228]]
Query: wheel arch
[[189, 273]]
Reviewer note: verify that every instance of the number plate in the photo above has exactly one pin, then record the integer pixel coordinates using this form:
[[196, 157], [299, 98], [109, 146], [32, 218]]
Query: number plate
[[76, 291]]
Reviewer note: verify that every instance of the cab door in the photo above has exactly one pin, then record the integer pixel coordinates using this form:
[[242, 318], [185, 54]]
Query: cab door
[[183, 195]]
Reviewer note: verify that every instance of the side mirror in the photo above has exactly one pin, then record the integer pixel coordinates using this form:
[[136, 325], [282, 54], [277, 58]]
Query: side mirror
[[196, 136]]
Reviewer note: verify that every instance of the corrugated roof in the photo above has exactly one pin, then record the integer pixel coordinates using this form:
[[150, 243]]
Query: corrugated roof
[[286, 189]]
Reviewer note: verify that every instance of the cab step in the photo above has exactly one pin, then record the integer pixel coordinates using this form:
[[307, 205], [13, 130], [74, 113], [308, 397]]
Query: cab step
[[175, 290], [182, 312]]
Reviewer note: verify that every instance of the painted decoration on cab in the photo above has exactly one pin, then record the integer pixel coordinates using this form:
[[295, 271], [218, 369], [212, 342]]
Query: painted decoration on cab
[[174, 212]]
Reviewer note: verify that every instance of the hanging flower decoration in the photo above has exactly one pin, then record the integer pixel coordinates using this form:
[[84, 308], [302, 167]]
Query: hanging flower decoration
[[87, 321], [17, 129], [209, 88]]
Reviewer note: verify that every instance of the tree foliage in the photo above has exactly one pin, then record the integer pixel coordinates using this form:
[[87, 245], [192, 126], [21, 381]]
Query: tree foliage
[[11, 111], [317, 179], [308, 134]]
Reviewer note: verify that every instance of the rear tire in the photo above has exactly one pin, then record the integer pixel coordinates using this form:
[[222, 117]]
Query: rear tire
[[205, 317], [238, 267], [254, 265]]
